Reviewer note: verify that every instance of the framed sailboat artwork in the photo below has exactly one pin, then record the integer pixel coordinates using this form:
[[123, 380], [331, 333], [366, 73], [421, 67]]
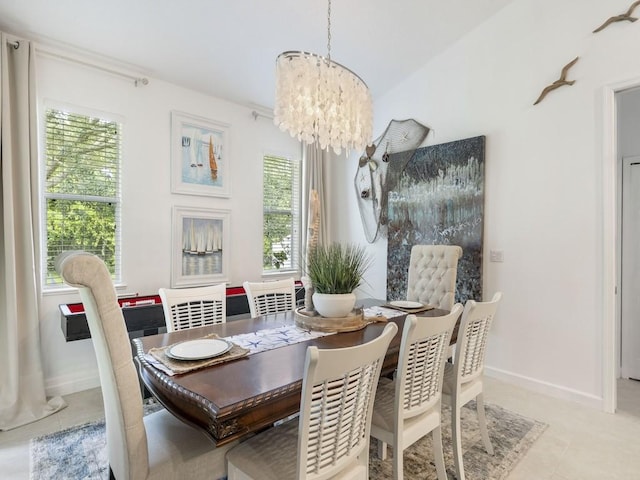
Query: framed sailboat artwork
[[200, 246], [199, 156]]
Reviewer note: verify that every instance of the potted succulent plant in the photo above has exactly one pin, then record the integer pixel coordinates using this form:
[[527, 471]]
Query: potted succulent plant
[[335, 271]]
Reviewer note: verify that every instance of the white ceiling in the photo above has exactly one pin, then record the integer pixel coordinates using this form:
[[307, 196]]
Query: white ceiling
[[227, 48]]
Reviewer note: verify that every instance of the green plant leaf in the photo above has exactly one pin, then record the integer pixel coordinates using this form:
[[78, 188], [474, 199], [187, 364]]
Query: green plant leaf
[[337, 268]]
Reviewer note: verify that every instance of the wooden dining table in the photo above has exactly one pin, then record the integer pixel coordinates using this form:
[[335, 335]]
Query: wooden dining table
[[235, 398]]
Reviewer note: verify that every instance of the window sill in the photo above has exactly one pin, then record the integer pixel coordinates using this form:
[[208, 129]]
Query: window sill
[[281, 274], [67, 290]]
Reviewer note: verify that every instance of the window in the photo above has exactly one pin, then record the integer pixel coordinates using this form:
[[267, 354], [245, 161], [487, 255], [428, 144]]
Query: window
[[81, 189], [281, 213]]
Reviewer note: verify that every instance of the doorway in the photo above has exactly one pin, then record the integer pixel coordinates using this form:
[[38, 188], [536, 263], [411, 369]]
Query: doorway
[[621, 233], [629, 266]]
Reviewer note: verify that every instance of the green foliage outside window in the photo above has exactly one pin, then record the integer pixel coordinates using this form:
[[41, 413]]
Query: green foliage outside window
[[281, 199], [81, 188]]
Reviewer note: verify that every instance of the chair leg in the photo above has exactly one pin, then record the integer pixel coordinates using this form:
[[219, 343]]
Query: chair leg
[[438, 453], [382, 449], [482, 420], [398, 468], [234, 473], [456, 436]]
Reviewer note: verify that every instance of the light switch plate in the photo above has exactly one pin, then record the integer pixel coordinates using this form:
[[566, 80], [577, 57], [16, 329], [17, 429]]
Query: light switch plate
[[496, 256]]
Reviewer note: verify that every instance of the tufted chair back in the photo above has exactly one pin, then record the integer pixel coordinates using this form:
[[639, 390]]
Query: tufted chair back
[[126, 435], [157, 446], [432, 274]]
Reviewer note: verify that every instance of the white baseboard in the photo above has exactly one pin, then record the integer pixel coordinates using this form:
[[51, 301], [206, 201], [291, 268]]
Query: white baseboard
[[556, 391], [68, 384]]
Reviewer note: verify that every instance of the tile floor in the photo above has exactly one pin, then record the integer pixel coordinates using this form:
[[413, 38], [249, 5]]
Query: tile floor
[[579, 444]]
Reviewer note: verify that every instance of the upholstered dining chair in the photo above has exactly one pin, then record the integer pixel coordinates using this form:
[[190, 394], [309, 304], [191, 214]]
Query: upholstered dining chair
[[330, 439], [432, 274], [157, 446], [463, 378], [194, 307], [270, 297], [408, 408]]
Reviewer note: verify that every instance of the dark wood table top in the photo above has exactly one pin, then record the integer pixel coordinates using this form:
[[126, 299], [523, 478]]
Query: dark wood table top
[[232, 399]]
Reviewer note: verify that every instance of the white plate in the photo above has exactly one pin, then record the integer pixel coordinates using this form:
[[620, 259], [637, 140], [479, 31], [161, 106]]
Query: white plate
[[405, 304], [199, 349]]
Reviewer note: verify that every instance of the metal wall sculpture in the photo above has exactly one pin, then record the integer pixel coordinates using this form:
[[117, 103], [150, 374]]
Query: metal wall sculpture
[[371, 177], [436, 197]]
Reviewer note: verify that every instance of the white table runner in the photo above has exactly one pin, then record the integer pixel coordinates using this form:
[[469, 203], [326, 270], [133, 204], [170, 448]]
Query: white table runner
[[382, 311], [277, 337], [281, 336]]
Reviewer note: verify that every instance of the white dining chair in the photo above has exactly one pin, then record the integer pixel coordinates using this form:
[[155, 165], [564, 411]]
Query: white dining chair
[[408, 408], [157, 446], [463, 378], [330, 439], [432, 275], [194, 307], [270, 297]]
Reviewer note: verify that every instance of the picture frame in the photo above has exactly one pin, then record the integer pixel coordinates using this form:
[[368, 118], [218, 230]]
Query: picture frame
[[200, 246], [199, 156]]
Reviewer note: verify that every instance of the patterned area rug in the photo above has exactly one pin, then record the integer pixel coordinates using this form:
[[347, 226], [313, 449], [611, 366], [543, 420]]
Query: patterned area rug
[[75, 453], [511, 436], [80, 452]]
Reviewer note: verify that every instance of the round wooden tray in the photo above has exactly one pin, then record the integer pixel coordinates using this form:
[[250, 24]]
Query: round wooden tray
[[314, 321]]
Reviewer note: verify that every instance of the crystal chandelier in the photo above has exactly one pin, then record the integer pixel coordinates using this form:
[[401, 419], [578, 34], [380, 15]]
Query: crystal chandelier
[[319, 100]]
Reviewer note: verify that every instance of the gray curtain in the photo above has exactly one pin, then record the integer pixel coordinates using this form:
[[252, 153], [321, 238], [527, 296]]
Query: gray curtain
[[313, 178], [22, 392]]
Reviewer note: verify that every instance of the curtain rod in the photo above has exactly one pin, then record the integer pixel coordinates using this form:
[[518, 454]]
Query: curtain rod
[[255, 114], [136, 80], [15, 44]]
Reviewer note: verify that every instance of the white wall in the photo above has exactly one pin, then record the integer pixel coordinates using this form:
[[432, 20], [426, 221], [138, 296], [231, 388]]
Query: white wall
[[147, 197], [544, 194]]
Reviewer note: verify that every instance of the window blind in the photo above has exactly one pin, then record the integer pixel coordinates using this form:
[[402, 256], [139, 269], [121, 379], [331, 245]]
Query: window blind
[[82, 189], [281, 213]]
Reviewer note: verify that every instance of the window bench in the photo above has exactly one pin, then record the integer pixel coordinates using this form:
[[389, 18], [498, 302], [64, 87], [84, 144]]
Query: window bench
[[143, 315]]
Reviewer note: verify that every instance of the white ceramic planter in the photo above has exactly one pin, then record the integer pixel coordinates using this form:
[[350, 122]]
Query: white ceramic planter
[[334, 305]]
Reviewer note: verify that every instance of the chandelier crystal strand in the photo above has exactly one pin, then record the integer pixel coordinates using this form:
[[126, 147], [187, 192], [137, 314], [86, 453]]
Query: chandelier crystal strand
[[319, 100]]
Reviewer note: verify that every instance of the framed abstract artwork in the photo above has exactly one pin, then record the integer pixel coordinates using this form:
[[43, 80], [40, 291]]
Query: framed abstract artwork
[[436, 197], [199, 156], [200, 246]]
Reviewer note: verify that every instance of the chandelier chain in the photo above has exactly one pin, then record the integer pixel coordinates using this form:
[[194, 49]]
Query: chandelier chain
[[329, 32]]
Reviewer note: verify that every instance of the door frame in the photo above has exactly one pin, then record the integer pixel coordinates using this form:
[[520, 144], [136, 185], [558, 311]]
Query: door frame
[[610, 243]]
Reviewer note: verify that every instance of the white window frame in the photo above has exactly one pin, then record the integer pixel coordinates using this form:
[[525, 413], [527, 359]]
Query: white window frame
[[44, 195], [294, 267]]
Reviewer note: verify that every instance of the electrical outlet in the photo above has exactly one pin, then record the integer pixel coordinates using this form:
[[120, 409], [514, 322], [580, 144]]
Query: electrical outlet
[[496, 256]]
